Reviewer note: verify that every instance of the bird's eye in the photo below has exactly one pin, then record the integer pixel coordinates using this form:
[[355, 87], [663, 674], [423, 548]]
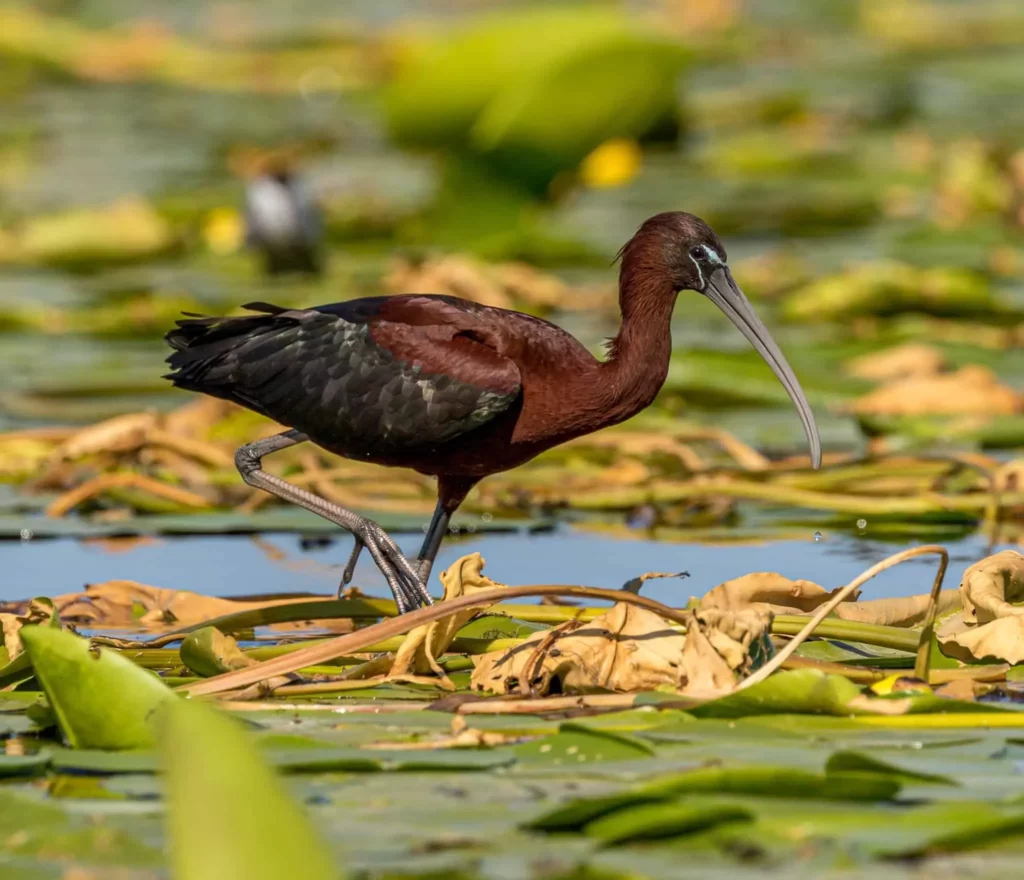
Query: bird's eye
[[699, 252]]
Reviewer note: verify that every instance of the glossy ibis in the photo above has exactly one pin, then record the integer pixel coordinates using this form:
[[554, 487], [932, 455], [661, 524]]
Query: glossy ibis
[[455, 389], [282, 222]]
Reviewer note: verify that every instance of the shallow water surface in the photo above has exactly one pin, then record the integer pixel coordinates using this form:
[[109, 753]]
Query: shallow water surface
[[238, 565]]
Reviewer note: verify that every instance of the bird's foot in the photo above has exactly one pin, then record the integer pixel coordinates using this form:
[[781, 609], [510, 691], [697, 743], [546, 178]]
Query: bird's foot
[[403, 577], [350, 566]]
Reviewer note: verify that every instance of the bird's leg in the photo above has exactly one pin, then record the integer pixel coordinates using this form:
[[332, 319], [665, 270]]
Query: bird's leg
[[406, 585], [432, 541], [423, 563], [350, 566]]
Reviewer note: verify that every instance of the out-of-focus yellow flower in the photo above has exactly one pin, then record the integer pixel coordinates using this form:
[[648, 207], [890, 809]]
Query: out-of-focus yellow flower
[[615, 163], [223, 231], [900, 683]]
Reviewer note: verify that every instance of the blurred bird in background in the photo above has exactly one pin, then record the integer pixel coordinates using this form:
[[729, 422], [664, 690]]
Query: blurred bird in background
[[282, 219]]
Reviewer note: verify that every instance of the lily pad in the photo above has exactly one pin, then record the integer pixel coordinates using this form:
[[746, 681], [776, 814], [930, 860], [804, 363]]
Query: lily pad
[[102, 700], [575, 744], [653, 821]]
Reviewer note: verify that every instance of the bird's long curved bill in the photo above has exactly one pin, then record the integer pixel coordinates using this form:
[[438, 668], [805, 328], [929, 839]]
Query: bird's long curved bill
[[724, 293]]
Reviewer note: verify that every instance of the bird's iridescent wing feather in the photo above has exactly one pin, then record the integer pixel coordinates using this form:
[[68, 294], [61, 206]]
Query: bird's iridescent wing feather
[[364, 376]]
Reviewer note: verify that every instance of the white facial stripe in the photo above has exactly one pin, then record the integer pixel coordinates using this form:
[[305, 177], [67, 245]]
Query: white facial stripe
[[711, 256], [700, 273]]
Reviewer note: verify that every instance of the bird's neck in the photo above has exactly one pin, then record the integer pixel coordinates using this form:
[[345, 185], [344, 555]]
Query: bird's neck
[[638, 357]]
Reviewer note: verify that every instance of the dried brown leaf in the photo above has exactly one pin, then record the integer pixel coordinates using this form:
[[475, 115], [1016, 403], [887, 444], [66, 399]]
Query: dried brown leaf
[[421, 648], [905, 611], [971, 390], [119, 434], [766, 591], [36, 612], [959, 689], [988, 587], [625, 649], [998, 640], [67, 502], [453, 275], [910, 359], [1009, 477], [629, 649], [717, 651], [124, 603], [771, 591], [499, 284]]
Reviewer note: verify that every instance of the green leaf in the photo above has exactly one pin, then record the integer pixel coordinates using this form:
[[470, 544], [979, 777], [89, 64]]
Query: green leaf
[[859, 762], [207, 651], [622, 86], [334, 760], [103, 762], [888, 288], [228, 814], [498, 626], [769, 781], [795, 690], [580, 811], [575, 744], [547, 87], [653, 821], [43, 839], [23, 765], [102, 700]]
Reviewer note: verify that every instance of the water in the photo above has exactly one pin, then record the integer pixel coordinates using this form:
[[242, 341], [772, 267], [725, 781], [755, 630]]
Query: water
[[103, 141], [241, 565]]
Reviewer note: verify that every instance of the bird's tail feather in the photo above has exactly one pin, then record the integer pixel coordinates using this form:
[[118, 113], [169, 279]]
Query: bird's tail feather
[[216, 355]]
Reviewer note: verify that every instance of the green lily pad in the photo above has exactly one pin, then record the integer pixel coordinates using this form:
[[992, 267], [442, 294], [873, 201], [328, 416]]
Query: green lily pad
[[861, 762], [653, 821], [207, 651], [105, 763], [23, 765], [768, 781], [575, 744], [796, 690], [102, 700]]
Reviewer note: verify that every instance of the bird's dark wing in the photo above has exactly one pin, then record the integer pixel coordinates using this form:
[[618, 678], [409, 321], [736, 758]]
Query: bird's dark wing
[[364, 376]]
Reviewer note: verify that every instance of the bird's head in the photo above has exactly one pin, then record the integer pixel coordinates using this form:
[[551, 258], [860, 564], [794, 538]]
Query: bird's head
[[684, 253]]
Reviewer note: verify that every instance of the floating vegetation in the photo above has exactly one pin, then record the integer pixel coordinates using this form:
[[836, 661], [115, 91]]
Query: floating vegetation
[[889, 288], [684, 729], [548, 88], [149, 52], [138, 473], [128, 231]]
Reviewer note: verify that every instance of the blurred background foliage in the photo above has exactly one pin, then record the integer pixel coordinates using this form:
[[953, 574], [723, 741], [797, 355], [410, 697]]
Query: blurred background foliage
[[863, 160]]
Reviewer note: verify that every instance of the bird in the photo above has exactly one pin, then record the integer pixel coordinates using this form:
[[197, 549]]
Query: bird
[[282, 221], [454, 389]]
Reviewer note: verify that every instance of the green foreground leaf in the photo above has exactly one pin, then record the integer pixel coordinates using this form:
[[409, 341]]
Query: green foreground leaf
[[228, 814], [101, 699]]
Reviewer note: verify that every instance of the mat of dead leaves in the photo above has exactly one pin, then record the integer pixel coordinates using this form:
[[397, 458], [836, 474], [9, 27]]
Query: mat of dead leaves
[[738, 631], [771, 713], [148, 472]]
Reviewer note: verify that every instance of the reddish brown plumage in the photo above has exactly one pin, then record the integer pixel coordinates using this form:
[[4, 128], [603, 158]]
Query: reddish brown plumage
[[459, 390]]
